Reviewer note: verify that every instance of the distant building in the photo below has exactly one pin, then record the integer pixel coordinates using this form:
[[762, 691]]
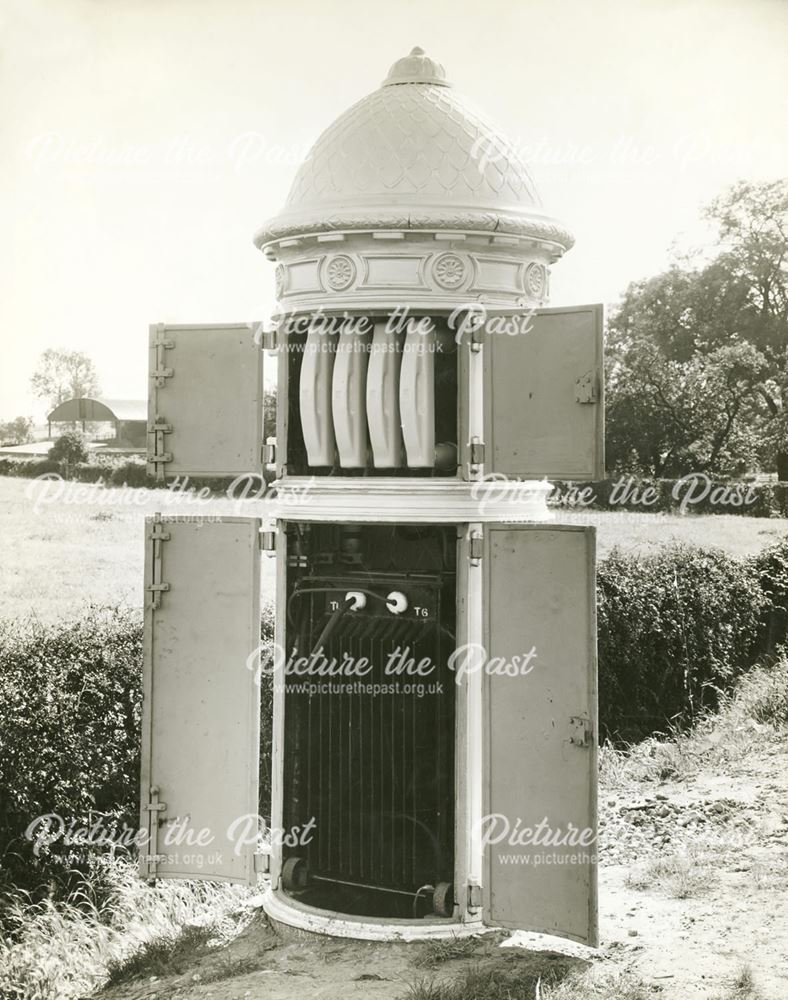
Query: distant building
[[128, 417]]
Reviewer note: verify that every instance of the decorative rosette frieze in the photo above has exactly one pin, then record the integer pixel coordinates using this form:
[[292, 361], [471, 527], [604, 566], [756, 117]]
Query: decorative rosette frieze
[[340, 272], [449, 270], [279, 280], [535, 281]]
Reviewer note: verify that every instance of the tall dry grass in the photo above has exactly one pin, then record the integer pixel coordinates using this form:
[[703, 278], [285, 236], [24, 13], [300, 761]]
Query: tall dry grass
[[65, 950]]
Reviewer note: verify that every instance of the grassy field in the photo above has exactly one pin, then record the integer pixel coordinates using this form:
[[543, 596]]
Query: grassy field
[[78, 544], [59, 552], [739, 536]]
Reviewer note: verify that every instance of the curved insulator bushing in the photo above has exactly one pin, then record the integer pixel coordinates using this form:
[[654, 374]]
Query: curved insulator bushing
[[348, 398], [317, 423], [385, 434], [417, 396]]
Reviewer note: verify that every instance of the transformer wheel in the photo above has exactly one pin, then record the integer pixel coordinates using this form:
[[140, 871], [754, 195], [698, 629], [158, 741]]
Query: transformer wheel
[[295, 874], [443, 899]]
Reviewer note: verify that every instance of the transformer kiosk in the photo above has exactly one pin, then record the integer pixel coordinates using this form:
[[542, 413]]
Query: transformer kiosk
[[434, 668]]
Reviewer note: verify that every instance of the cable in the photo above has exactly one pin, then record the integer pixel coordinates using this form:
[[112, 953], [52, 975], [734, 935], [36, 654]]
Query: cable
[[330, 625], [419, 891], [328, 590]]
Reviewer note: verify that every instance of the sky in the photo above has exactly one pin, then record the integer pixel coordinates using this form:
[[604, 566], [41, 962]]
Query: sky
[[142, 142]]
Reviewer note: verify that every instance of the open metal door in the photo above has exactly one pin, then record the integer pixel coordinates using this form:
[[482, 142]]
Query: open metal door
[[201, 704], [205, 401], [543, 394], [540, 763]]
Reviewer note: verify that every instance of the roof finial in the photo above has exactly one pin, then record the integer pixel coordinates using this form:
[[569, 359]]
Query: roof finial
[[417, 67]]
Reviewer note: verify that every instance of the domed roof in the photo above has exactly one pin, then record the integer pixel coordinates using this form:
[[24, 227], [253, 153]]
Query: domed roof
[[413, 155]]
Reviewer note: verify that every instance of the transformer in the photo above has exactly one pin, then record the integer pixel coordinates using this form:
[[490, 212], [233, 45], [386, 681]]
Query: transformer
[[433, 667]]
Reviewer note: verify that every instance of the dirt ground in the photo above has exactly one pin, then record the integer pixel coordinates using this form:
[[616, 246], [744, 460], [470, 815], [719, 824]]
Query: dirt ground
[[692, 888]]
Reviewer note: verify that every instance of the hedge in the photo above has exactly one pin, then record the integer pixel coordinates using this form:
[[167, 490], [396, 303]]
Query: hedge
[[696, 494], [674, 629], [69, 735], [111, 470], [108, 469]]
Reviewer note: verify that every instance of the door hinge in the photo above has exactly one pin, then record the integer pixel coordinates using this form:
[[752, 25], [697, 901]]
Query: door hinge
[[586, 388], [158, 460], [268, 541], [157, 455], [157, 586], [475, 548], [161, 343], [477, 452], [153, 808], [269, 452], [262, 863], [474, 896], [580, 731], [269, 339]]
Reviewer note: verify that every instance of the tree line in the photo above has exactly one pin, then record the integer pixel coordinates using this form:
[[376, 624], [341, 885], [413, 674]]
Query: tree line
[[697, 357]]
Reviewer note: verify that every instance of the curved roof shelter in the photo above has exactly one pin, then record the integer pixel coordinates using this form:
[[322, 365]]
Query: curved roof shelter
[[84, 408]]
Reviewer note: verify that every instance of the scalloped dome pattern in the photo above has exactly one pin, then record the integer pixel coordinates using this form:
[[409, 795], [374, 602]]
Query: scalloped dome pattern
[[414, 155], [412, 139]]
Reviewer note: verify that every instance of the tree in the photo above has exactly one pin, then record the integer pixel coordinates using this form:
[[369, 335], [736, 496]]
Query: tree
[[697, 373], [63, 374], [16, 431], [668, 417], [752, 221]]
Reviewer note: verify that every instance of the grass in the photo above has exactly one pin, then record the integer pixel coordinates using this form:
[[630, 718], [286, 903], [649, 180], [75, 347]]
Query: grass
[[177, 953], [508, 976], [741, 987], [170, 953], [507, 981], [760, 695], [682, 876], [754, 714], [93, 550], [759, 699], [437, 952], [59, 556], [593, 985], [642, 532], [65, 950]]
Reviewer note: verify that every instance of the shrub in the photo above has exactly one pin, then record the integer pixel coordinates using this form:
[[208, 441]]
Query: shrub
[[771, 566], [87, 472], [675, 628], [70, 448], [131, 473], [69, 735]]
